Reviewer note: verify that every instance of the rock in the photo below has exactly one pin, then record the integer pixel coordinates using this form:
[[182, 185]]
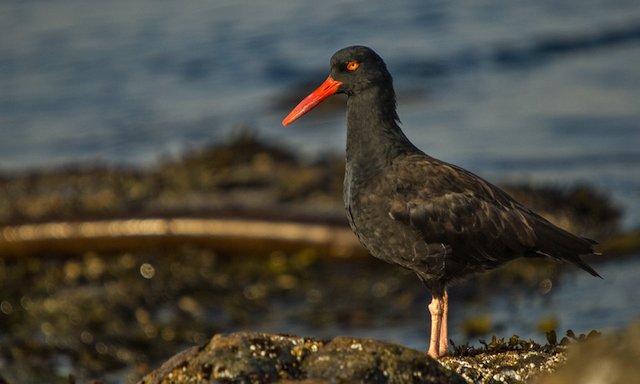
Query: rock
[[511, 367], [263, 358], [349, 360], [611, 359], [238, 357]]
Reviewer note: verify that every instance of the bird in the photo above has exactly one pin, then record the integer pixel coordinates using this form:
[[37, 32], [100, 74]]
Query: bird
[[407, 208]]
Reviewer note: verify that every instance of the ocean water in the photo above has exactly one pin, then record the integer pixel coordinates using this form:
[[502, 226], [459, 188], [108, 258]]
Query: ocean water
[[535, 91]]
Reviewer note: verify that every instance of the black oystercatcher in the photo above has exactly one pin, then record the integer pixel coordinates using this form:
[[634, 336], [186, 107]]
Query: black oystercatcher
[[423, 214]]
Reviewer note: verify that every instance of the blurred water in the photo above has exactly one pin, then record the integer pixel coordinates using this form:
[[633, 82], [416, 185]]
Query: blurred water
[[538, 91]]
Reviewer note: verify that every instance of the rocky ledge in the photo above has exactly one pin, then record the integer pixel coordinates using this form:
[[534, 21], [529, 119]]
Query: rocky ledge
[[262, 358]]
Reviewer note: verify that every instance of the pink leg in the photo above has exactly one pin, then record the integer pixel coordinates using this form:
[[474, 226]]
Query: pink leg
[[444, 337], [436, 309]]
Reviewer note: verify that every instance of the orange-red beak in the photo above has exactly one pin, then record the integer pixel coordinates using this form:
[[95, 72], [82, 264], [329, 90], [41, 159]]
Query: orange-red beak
[[328, 88]]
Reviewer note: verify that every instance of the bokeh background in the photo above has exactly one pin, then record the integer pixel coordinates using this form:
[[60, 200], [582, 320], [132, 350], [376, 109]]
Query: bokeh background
[[543, 93]]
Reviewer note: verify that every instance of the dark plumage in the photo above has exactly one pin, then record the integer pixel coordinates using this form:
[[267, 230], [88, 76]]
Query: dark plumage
[[407, 208]]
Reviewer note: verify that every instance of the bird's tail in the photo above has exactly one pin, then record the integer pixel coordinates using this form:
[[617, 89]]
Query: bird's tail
[[565, 246]]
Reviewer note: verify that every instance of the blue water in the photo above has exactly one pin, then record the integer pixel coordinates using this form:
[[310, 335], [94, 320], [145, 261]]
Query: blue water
[[538, 91]]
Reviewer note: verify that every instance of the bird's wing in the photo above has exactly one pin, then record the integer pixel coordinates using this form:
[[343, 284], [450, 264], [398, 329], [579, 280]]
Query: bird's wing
[[452, 206]]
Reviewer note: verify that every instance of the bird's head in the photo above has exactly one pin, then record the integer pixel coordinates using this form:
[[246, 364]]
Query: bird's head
[[353, 70]]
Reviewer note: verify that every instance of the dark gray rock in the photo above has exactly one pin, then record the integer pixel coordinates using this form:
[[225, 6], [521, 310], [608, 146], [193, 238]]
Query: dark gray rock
[[263, 358], [237, 358], [349, 360]]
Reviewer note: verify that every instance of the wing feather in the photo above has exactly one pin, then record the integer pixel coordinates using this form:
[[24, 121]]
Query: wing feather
[[452, 206], [480, 226]]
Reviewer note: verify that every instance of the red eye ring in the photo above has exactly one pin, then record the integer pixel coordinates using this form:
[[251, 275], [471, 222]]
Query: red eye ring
[[353, 65]]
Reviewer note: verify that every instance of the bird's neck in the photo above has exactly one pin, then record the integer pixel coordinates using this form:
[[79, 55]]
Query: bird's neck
[[374, 138]]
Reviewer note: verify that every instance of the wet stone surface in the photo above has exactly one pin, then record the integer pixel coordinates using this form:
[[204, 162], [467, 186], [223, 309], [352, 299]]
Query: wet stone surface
[[240, 357], [262, 358], [508, 367]]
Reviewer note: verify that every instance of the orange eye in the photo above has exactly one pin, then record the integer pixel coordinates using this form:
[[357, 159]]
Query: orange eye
[[353, 65]]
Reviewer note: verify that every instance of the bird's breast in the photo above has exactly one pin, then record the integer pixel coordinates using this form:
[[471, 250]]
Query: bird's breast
[[367, 204]]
